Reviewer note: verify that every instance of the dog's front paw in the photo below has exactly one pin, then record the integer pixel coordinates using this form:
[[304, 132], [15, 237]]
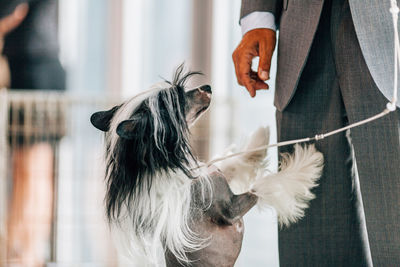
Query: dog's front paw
[[258, 139], [241, 171]]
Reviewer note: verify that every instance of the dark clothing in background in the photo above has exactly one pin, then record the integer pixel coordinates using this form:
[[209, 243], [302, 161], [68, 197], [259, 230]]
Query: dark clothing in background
[[32, 49]]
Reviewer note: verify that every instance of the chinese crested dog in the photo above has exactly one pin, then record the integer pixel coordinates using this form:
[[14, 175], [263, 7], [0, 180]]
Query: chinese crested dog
[[163, 208]]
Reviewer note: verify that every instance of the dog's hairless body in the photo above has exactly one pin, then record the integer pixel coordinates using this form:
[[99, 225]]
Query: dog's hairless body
[[222, 222]]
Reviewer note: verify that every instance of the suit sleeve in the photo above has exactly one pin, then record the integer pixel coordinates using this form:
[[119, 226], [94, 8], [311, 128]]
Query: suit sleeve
[[273, 6]]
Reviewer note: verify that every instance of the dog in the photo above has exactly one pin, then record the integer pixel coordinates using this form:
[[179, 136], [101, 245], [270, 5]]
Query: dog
[[163, 206]]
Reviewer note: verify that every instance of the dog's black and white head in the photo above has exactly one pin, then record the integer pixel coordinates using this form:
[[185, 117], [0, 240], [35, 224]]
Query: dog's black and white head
[[148, 135]]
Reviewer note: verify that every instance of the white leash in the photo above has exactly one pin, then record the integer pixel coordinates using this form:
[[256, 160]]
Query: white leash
[[390, 106]]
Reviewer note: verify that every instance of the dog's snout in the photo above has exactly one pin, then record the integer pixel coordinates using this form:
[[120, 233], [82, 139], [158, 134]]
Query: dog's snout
[[206, 88]]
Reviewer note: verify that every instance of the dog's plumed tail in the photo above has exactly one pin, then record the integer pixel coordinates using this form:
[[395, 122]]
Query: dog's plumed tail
[[289, 190]]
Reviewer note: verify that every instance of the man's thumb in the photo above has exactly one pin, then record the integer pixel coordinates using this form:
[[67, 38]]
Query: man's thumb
[[265, 51], [264, 65]]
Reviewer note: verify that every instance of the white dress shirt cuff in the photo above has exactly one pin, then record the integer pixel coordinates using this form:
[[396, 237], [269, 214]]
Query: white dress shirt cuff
[[257, 20]]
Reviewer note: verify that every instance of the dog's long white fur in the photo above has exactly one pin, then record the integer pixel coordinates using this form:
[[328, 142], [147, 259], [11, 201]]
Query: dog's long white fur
[[166, 207], [289, 190], [163, 208]]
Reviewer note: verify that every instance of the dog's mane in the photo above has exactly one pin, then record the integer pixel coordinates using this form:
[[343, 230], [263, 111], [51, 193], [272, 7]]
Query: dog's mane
[[149, 175]]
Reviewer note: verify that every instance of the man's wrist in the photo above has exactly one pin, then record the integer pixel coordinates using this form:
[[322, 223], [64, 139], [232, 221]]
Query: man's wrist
[[256, 20]]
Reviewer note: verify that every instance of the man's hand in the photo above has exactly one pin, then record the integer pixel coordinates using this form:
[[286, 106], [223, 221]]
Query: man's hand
[[257, 42]]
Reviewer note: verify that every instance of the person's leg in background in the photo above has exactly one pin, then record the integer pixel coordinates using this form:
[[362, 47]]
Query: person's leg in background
[[30, 212], [376, 145], [328, 235]]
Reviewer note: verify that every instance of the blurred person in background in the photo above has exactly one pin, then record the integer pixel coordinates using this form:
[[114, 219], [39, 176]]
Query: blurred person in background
[[7, 24], [32, 51], [335, 67]]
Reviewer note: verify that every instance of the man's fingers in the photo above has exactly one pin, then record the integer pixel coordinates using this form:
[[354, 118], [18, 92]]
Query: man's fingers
[[258, 83], [238, 74], [248, 83], [242, 63], [10, 22], [253, 83], [266, 49], [249, 86], [264, 64], [254, 86]]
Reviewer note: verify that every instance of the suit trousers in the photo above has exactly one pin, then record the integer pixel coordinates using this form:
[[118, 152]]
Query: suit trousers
[[354, 219]]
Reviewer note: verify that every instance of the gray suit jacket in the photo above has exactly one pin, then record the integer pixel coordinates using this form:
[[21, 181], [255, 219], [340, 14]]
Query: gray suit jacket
[[298, 21]]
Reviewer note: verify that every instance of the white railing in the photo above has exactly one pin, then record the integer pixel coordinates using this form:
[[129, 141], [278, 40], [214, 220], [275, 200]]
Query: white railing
[[61, 120]]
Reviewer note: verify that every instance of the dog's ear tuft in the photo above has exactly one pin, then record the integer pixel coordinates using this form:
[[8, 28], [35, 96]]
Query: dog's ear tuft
[[101, 120], [126, 129]]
